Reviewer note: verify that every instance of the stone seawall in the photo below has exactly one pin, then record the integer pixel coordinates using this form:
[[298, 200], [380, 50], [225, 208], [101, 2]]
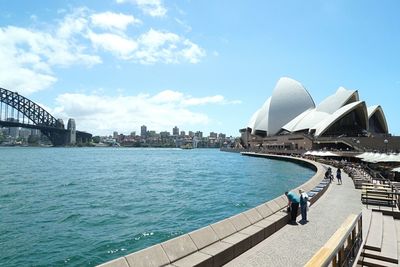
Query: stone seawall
[[220, 242]]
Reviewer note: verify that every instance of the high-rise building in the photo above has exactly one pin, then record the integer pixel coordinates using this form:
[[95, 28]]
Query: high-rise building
[[199, 134], [191, 134], [164, 134], [115, 135], [133, 134], [175, 131], [213, 135], [13, 131], [143, 131], [183, 133]]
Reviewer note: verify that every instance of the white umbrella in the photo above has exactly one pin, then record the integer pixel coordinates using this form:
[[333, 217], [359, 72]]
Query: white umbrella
[[318, 153], [391, 158], [329, 154], [396, 169], [364, 155], [372, 157]]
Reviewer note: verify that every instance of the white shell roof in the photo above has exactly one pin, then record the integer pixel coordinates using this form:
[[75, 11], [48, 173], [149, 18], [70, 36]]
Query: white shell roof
[[306, 121], [252, 120], [291, 108], [324, 125], [378, 109], [261, 121], [341, 98], [323, 111], [289, 98]]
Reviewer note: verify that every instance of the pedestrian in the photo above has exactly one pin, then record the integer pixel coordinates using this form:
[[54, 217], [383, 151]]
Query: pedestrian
[[293, 203], [339, 176], [327, 176], [303, 205], [330, 175]]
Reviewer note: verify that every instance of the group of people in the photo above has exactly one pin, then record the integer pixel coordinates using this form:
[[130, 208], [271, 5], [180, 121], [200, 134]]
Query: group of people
[[301, 199], [329, 175], [294, 201]]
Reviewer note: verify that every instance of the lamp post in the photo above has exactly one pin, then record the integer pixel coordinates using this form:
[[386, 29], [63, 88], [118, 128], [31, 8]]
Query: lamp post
[[386, 144]]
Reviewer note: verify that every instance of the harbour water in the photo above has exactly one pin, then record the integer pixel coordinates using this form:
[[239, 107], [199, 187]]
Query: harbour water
[[85, 206]]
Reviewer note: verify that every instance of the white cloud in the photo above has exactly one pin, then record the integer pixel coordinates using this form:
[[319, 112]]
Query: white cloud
[[167, 96], [27, 58], [204, 100], [33, 54], [116, 44], [103, 114], [109, 20], [153, 8], [184, 25], [157, 46]]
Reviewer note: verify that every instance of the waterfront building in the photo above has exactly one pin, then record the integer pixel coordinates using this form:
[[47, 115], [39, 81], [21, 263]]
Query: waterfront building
[[24, 133], [143, 131], [183, 133], [199, 134], [13, 132], [175, 131], [115, 135], [191, 134], [289, 119], [164, 135]]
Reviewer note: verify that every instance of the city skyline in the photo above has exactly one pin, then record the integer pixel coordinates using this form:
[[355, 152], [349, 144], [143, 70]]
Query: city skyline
[[119, 64], [144, 130]]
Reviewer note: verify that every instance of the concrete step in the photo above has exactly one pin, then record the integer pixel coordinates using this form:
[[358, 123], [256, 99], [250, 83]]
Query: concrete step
[[363, 261], [389, 243], [375, 233], [366, 221], [397, 225]]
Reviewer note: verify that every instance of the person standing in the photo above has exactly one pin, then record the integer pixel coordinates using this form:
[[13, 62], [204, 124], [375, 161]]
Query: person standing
[[303, 205], [339, 176], [330, 175], [293, 203]]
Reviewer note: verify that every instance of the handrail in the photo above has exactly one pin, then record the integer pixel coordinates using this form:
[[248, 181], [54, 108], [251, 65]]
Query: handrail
[[342, 248]]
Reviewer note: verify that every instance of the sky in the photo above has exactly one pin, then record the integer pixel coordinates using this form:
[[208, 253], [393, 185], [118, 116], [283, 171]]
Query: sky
[[201, 65]]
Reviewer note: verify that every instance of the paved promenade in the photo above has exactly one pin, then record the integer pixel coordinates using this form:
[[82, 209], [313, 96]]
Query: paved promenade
[[294, 245]]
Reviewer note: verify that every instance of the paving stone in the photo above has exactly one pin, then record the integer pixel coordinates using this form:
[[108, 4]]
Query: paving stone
[[294, 245]]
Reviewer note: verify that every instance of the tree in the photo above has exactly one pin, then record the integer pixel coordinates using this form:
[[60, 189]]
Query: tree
[[33, 139], [96, 139]]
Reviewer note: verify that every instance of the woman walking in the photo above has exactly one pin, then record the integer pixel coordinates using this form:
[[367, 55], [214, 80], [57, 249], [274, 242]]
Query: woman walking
[[339, 176]]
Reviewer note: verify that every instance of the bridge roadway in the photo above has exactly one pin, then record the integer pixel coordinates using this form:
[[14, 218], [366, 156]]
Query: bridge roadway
[[294, 245]]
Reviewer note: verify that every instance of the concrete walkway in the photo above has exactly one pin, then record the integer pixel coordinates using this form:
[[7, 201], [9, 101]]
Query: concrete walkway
[[294, 245]]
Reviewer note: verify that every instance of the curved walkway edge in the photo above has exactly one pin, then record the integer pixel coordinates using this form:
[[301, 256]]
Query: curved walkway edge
[[294, 245]]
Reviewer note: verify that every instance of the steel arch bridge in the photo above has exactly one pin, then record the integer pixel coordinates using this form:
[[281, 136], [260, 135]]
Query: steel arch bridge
[[31, 115]]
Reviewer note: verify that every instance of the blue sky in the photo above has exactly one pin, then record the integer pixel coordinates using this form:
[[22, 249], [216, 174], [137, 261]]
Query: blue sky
[[201, 65]]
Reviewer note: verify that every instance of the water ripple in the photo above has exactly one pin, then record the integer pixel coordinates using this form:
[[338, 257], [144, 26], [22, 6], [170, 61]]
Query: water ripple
[[90, 205]]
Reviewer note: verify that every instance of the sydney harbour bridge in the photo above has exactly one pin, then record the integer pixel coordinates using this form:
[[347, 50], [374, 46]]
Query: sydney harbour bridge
[[18, 111]]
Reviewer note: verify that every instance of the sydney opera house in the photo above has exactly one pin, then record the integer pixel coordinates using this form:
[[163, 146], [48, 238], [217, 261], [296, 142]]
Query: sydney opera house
[[290, 119]]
